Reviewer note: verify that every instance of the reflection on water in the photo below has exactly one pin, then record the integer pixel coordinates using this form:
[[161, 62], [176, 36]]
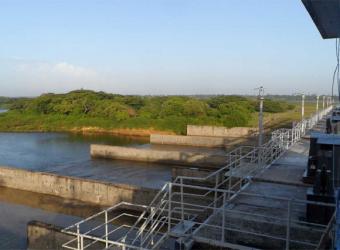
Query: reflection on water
[[17, 208], [47, 202], [69, 154]]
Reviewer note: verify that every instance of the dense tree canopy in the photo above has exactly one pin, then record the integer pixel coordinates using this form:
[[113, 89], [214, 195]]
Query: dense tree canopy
[[153, 111]]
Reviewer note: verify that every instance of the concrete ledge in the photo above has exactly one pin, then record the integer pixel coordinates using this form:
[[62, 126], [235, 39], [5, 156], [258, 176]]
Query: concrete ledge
[[219, 131], [198, 141], [86, 190], [41, 235], [158, 156]]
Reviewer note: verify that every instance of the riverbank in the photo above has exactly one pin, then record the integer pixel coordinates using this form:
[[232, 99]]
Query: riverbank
[[19, 122], [90, 111]]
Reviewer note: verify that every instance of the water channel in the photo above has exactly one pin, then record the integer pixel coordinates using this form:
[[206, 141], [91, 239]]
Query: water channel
[[64, 154]]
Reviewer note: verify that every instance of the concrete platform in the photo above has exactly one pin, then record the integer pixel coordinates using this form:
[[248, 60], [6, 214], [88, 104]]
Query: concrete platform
[[159, 156], [257, 217], [289, 168]]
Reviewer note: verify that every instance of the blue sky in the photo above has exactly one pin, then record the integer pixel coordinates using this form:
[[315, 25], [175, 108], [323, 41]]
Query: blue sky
[[161, 47]]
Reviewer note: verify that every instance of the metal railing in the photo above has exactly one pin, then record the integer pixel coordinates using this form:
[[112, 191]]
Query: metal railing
[[276, 225], [194, 203]]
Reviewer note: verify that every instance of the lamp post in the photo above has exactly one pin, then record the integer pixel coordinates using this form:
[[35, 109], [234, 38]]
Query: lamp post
[[261, 98], [303, 106]]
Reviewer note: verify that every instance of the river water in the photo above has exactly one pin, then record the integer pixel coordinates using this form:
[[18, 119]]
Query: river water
[[64, 154], [69, 154]]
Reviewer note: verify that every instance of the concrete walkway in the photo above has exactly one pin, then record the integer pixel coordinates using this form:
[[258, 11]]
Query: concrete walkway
[[289, 168], [257, 221]]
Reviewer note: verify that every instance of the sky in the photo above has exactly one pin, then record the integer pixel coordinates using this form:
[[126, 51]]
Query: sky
[[162, 47]]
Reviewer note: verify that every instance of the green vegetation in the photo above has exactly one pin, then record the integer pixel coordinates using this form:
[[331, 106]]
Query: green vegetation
[[6, 102], [284, 119], [83, 108]]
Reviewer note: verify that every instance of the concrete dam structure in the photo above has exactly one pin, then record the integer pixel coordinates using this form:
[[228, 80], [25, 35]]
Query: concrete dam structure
[[197, 141], [195, 130], [86, 190], [255, 199], [158, 156]]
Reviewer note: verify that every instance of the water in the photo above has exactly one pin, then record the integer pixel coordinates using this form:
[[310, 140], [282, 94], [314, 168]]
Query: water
[[17, 208], [64, 154], [69, 154], [3, 111]]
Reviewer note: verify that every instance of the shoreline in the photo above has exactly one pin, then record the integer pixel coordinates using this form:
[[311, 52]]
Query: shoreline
[[96, 130]]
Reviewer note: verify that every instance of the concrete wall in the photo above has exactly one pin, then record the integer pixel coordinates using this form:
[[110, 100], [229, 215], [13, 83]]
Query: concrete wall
[[158, 156], [91, 191], [41, 235], [198, 141], [219, 131], [45, 236], [191, 172]]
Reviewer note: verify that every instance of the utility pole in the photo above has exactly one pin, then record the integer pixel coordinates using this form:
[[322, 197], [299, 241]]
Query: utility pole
[[303, 107], [327, 102], [261, 98], [317, 103], [323, 102]]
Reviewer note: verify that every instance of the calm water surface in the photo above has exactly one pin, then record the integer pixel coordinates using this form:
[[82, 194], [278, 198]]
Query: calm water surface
[[69, 154], [65, 154]]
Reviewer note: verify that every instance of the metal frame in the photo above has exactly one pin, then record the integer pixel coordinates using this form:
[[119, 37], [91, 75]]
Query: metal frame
[[187, 205]]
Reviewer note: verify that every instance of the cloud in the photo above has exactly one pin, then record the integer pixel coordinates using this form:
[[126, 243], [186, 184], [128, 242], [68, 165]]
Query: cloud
[[39, 77], [62, 70]]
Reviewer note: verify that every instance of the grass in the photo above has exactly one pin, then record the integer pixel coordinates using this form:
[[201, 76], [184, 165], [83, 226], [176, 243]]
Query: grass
[[20, 122], [285, 119]]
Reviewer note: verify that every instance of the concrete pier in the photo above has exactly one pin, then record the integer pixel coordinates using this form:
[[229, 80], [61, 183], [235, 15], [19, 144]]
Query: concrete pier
[[158, 156], [195, 130], [261, 207], [86, 190], [197, 141], [45, 236]]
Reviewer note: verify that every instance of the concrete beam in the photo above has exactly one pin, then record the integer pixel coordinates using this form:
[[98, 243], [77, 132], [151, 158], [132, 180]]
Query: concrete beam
[[158, 156], [195, 130], [86, 190], [197, 141]]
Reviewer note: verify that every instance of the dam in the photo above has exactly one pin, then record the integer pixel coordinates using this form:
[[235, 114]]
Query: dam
[[66, 181], [46, 167], [169, 125], [243, 203]]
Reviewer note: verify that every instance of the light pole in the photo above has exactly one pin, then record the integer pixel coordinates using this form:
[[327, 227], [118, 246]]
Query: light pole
[[261, 98], [303, 106], [327, 102], [317, 103], [323, 102]]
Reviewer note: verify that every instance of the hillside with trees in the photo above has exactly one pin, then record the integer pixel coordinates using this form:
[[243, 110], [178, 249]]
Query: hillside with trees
[[84, 108]]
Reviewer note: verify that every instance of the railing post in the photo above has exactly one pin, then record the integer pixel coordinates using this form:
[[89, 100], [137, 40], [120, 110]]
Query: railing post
[[216, 194], [229, 183], [288, 224], [81, 242], [78, 237], [169, 207], [182, 202], [106, 230], [259, 152], [223, 217]]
